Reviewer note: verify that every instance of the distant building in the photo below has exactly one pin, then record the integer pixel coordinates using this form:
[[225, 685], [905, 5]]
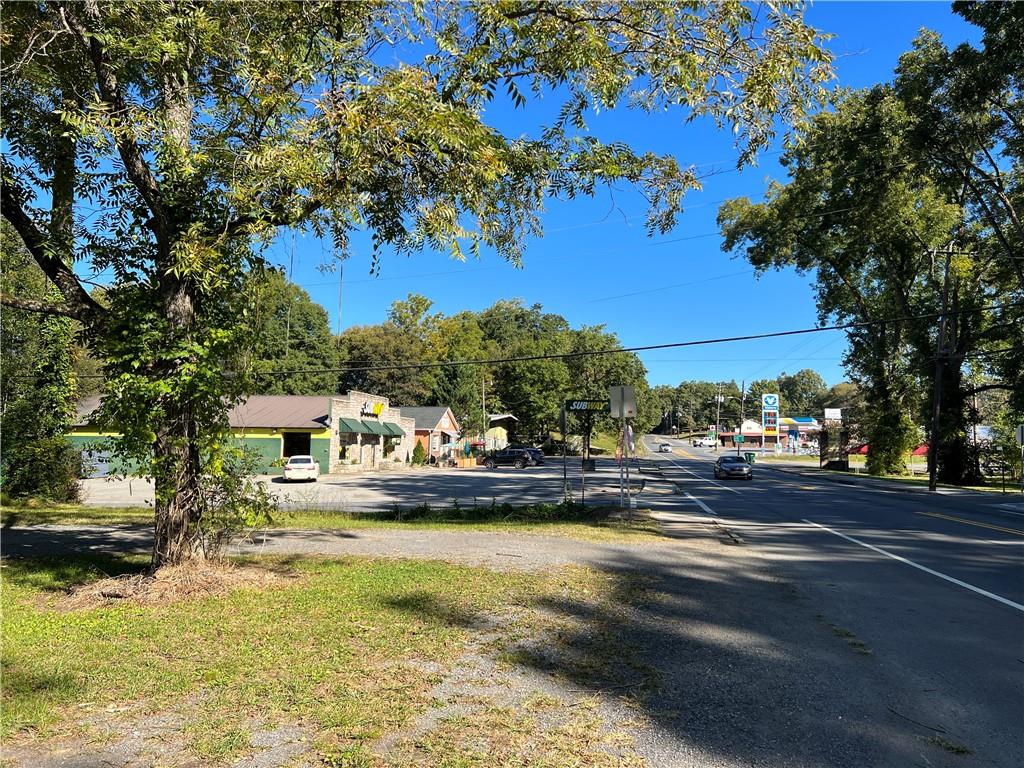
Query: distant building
[[355, 431], [501, 425], [436, 427]]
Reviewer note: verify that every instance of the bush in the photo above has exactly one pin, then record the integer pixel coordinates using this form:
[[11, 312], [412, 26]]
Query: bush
[[46, 468], [419, 455]]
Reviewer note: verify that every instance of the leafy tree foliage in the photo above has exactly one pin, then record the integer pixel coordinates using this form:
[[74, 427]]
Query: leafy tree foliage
[[289, 332], [37, 388], [195, 131]]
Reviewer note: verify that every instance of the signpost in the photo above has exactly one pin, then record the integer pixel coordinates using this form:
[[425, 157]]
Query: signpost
[[1020, 442], [769, 419], [623, 406], [585, 409]]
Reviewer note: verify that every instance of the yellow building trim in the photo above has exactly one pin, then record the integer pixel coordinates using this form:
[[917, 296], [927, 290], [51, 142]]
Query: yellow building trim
[[318, 434], [84, 432]]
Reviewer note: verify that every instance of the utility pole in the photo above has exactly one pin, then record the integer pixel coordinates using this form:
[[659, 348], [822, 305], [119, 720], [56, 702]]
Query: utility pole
[[718, 415], [933, 438]]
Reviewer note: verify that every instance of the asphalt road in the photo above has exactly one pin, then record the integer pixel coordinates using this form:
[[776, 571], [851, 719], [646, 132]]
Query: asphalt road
[[929, 587]]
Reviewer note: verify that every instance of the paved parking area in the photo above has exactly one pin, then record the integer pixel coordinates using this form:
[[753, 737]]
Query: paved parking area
[[381, 490]]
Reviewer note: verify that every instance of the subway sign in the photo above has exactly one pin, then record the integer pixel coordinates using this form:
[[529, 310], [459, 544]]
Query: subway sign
[[588, 406]]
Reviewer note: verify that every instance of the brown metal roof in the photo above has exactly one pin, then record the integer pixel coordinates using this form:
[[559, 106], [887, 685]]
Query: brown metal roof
[[280, 411], [289, 411]]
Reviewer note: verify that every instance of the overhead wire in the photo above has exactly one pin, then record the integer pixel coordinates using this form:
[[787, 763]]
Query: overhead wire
[[642, 348]]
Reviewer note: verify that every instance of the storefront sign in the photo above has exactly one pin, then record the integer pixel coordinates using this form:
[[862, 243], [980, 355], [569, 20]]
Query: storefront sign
[[770, 415], [587, 406], [371, 409]]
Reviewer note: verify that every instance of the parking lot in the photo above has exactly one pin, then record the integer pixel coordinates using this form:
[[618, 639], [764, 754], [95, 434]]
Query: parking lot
[[404, 488]]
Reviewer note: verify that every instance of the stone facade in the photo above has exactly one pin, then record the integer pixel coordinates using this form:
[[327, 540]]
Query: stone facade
[[357, 451]]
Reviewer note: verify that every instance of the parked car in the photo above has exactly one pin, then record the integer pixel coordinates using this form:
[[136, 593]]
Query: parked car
[[514, 457], [665, 448], [301, 468], [535, 453], [705, 442], [733, 466]]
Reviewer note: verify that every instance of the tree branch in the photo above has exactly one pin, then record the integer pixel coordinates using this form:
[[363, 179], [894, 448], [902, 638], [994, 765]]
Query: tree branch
[[78, 299], [42, 307], [988, 387], [110, 91]]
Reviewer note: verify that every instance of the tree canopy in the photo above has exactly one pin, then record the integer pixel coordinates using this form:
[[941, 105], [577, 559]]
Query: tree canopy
[[164, 143]]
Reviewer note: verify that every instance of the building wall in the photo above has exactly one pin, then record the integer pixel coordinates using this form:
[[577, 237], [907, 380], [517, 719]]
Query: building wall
[[267, 443], [369, 453]]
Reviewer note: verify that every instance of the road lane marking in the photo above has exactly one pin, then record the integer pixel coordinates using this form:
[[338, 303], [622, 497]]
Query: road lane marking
[[920, 567], [699, 503], [973, 522], [703, 479]]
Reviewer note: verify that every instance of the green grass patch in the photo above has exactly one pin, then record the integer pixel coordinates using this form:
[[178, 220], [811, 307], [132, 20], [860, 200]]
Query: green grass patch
[[601, 524], [345, 647], [74, 514]]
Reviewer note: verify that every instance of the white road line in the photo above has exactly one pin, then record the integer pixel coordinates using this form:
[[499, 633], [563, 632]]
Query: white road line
[[702, 479], [699, 503], [920, 567]]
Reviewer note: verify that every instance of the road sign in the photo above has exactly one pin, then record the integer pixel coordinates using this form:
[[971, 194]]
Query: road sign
[[769, 402], [588, 406], [1020, 435], [623, 402], [739, 439]]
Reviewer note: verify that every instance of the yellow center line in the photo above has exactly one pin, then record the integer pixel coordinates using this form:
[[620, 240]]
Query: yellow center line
[[973, 522]]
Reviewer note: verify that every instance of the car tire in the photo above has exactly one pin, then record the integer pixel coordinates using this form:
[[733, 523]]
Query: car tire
[[519, 464], [488, 464]]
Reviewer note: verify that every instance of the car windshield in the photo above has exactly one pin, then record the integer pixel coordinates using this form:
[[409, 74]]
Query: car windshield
[[732, 460], [300, 460]]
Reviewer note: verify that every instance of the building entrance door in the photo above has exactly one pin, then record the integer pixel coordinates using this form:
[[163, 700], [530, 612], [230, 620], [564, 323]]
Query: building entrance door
[[297, 444]]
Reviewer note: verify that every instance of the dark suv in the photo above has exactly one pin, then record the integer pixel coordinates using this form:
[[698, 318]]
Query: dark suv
[[516, 457]]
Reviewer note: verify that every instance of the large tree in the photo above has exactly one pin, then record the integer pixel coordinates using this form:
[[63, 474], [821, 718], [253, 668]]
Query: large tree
[[291, 350], [193, 131]]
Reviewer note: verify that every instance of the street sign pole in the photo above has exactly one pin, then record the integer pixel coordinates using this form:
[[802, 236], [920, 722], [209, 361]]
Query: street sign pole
[[566, 490], [1020, 442]]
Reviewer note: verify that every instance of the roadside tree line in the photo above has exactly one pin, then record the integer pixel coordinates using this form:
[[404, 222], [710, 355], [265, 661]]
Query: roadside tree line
[[905, 203]]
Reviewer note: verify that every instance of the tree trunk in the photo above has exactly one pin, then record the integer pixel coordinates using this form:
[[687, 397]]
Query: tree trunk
[[952, 453], [177, 536]]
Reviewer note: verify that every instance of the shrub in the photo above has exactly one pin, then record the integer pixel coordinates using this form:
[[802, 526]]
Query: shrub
[[419, 455], [45, 468]]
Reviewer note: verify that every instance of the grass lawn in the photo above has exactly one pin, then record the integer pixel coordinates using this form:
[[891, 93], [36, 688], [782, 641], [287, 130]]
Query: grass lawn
[[590, 524], [350, 651]]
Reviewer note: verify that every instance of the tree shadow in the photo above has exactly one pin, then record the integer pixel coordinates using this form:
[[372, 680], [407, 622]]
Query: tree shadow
[[61, 574], [728, 662]]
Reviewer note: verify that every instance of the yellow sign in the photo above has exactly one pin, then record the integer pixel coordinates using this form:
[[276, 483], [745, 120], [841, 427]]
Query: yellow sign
[[372, 409]]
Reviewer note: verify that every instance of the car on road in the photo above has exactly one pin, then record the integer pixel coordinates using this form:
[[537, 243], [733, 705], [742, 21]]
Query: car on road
[[535, 453], [301, 468], [733, 466], [514, 457], [704, 442], [665, 448]]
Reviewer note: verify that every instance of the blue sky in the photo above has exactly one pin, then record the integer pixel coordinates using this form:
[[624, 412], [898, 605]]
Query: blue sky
[[595, 264]]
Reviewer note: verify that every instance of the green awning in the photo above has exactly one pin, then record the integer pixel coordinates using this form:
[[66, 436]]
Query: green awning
[[394, 429], [353, 426], [375, 428]]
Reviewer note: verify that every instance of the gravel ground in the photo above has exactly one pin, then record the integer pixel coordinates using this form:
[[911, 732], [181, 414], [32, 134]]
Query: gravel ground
[[382, 490]]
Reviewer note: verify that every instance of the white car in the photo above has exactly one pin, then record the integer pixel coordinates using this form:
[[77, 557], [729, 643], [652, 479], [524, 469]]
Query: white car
[[301, 468], [705, 442], [665, 448]]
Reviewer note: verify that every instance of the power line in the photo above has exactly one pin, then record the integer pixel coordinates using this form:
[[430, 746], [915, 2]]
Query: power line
[[643, 348]]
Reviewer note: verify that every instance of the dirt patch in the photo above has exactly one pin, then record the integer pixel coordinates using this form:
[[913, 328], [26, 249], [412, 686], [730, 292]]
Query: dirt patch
[[172, 584]]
